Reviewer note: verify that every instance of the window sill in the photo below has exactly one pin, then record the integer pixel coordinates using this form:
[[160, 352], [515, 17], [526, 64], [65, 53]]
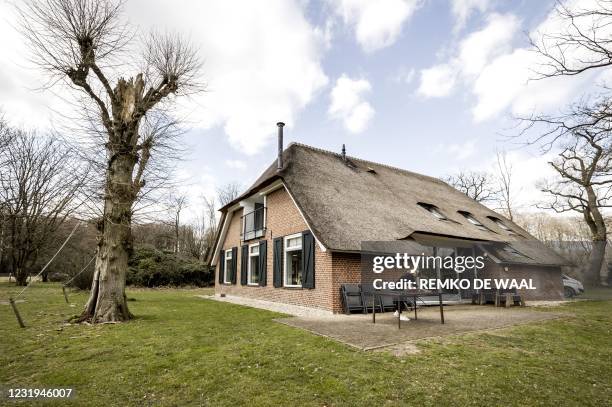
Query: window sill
[[295, 287], [253, 285]]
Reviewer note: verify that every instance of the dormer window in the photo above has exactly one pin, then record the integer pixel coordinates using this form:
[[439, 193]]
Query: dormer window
[[434, 210], [500, 224], [470, 218]]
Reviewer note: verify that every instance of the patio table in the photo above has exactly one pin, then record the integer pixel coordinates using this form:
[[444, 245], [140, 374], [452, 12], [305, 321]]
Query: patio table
[[402, 296]]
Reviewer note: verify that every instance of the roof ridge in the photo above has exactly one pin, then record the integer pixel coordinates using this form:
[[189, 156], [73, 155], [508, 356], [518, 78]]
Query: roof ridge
[[322, 150]]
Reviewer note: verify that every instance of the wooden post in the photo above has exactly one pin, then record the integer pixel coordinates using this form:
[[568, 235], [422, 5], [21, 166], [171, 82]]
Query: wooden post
[[373, 309], [441, 307], [415, 308], [21, 324], [399, 313], [65, 296]]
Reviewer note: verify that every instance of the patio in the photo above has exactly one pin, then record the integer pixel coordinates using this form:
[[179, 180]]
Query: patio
[[357, 330]]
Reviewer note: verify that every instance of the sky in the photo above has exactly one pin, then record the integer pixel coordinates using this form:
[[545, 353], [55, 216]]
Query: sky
[[430, 86]]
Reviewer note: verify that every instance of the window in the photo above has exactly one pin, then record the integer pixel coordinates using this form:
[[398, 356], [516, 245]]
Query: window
[[293, 268], [501, 224], [474, 221], [433, 209], [227, 278], [253, 272]]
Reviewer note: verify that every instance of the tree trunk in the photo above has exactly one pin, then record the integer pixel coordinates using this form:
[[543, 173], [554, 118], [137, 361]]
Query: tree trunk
[[596, 261], [21, 276], [107, 301]]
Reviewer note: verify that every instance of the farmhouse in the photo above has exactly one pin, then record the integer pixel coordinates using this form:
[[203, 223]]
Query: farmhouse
[[296, 235]]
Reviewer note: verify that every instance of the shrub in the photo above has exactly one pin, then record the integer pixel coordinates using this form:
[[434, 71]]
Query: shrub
[[149, 267]]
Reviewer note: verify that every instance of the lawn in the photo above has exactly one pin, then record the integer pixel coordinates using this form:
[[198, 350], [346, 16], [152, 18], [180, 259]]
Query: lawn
[[184, 350]]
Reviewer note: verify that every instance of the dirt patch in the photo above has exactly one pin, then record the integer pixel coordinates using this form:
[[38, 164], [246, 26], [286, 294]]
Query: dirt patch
[[359, 331]]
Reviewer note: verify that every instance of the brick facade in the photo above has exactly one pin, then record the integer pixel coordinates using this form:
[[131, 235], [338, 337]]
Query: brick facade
[[282, 219]]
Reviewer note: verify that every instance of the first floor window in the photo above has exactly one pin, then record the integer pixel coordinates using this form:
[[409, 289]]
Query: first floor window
[[293, 261], [253, 270], [227, 278]]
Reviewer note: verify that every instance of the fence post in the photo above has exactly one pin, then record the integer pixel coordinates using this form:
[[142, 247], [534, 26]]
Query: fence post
[[21, 324], [65, 296]]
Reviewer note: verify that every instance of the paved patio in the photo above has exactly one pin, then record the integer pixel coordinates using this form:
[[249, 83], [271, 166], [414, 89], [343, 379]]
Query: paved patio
[[357, 330]]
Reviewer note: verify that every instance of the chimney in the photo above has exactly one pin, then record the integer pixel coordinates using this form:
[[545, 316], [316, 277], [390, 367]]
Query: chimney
[[343, 152], [279, 163]]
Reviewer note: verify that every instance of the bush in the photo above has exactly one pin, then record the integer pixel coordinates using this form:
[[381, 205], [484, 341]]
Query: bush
[[149, 267]]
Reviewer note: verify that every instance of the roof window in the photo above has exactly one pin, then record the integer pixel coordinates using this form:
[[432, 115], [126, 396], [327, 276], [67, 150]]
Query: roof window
[[470, 218], [500, 223], [434, 210]]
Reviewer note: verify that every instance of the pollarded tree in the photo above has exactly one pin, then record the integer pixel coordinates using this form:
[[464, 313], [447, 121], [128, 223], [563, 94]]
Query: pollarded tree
[[86, 44]]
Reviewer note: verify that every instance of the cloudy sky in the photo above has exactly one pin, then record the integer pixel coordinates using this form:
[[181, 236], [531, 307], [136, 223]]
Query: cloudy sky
[[425, 85]]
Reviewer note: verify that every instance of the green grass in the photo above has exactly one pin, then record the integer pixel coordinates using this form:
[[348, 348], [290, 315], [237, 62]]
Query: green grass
[[183, 350]]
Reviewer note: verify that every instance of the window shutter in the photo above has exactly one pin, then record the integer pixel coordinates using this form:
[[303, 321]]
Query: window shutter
[[221, 266], [308, 249], [263, 262], [234, 264], [278, 262], [244, 261]]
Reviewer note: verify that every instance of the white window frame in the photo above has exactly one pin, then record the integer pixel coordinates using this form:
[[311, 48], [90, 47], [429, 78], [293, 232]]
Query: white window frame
[[225, 266], [287, 250], [249, 264]]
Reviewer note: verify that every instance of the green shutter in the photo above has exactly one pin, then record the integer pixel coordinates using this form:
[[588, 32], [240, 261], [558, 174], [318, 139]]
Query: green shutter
[[278, 262], [221, 265], [234, 264], [263, 262], [244, 261], [308, 249]]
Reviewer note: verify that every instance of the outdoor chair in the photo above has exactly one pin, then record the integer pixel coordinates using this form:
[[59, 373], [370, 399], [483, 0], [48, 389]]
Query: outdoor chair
[[387, 303], [352, 298], [508, 298], [369, 302]]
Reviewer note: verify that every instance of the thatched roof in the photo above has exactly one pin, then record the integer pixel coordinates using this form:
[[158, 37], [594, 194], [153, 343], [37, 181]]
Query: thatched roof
[[347, 202]]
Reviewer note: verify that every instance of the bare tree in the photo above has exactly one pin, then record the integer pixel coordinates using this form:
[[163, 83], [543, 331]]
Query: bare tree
[[82, 42], [477, 185], [581, 43], [228, 192], [506, 192], [584, 168], [40, 180], [178, 202]]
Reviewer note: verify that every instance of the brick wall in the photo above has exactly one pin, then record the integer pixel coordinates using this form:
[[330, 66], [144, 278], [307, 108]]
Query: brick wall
[[283, 218]]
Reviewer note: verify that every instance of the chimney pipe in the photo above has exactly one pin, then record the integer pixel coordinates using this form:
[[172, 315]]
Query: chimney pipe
[[279, 163], [343, 152]]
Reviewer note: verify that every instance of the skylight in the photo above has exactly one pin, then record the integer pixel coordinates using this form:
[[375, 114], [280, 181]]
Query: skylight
[[434, 210], [473, 220], [500, 223]]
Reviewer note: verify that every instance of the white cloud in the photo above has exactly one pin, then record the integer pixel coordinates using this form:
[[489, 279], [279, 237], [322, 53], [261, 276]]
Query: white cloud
[[22, 98], [463, 9], [261, 64], [473, 53], [236, 164], [437, 81], [377, 24], [501, 76], [348, 105], [506, 82]]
